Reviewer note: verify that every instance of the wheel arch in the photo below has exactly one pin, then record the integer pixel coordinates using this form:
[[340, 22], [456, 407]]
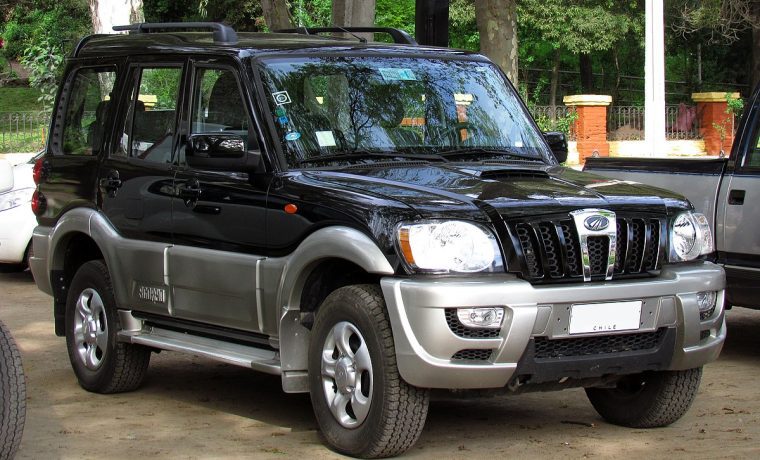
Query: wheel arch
[[326, 260]]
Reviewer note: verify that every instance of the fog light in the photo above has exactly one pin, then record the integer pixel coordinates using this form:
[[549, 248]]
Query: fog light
[[706, 301], [488, 317]]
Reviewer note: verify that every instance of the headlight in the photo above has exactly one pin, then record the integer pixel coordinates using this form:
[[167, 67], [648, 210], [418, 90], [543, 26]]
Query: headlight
[[448, 246], [15, 198], [690, 237]]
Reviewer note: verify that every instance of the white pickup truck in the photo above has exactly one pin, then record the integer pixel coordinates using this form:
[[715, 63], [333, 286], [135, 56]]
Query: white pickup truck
[[726, 190]]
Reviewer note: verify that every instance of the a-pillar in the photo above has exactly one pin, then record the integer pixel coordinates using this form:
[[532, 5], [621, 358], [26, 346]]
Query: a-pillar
[[716, 124], [590, 124]]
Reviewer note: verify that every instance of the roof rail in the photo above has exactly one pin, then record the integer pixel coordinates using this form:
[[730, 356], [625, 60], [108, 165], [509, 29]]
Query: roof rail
[[223, 34], [398, 35]]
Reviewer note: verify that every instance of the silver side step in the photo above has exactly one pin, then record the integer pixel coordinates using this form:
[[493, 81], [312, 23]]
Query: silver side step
[[267, 361]]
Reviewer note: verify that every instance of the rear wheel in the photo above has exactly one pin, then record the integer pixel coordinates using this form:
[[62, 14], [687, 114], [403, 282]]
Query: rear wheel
[[100, 362], [362, 405], [647, 400], [12, 395]]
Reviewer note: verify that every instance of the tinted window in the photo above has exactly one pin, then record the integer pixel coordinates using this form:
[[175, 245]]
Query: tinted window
[[217, 103], [86, 110], [149, 126]]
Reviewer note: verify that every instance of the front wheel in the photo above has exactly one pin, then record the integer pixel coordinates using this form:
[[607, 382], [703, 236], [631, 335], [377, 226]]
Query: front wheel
[[362, 405], [100, 362], [647, 400]]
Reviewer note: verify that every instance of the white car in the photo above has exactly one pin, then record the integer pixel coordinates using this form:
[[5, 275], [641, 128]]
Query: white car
[[17, 221]]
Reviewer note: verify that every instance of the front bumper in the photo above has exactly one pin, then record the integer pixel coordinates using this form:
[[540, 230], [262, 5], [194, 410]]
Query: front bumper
[[425, 343]]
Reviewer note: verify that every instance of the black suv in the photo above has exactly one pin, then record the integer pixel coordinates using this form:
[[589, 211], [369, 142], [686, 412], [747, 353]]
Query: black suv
[[367, 220]]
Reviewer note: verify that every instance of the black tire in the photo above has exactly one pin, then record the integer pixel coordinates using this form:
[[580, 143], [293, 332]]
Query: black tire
[[396, 410], [12, 394], [100, 362], [648, 400]]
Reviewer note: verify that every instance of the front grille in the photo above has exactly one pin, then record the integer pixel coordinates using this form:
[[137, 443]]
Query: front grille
[[550, 249], [585, 346], [472, 355], [463, 331]]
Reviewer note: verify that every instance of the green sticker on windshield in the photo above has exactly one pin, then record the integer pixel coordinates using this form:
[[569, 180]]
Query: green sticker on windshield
[[394, 74]]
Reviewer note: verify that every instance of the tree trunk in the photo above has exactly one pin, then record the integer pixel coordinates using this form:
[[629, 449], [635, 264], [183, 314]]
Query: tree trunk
[[276, 14], [356, 13], [497, 24], [109, 13], [587, 73], [554, 85]]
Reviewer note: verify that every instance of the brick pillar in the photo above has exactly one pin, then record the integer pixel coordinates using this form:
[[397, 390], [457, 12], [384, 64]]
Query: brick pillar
[[591, 124], [715, 125]]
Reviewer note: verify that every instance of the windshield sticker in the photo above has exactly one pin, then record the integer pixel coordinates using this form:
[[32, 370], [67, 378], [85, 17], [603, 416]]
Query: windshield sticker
[[282, 121], [325, 138], [281, 97], [280, 111], [293, 136], [394, 74]]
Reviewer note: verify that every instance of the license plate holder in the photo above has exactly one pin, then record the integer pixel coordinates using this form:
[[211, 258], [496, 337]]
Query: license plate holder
[[606, 317]]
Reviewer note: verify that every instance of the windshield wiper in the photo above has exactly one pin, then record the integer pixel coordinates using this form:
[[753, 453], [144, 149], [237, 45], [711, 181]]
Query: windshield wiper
[[481, 152], [368, 154]]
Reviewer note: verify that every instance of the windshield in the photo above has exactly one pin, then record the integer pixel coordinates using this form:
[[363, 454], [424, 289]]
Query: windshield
[[346, 108]]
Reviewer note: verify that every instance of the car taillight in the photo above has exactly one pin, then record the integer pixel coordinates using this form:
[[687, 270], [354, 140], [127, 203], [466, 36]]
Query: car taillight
[[39, 203], [39, 172]]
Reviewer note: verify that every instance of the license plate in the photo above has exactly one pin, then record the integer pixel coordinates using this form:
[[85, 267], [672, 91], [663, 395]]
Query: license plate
[[604, 317]]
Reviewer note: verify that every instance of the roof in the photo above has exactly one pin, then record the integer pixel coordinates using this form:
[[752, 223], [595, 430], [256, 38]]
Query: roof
[[259, 43]]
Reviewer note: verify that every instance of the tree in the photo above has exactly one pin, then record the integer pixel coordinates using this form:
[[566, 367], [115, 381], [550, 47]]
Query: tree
[[276, 14], [109, 13], [581, 27], [723, 21], [497, 24]]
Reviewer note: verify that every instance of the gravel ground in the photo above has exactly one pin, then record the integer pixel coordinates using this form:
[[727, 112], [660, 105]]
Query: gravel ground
[[192, 408]]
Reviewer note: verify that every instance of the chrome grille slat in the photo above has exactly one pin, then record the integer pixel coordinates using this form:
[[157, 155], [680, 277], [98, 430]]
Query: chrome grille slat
[[552, 249]]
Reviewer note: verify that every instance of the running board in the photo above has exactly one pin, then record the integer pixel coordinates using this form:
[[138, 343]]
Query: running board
[[267, 361]]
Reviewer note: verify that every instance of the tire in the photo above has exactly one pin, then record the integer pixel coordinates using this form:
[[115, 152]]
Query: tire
[[100, 362], [382, 415], [12, 394], [648, 400]]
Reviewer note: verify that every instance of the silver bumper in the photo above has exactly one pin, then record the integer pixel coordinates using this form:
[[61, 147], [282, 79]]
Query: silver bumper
[[425, 343]]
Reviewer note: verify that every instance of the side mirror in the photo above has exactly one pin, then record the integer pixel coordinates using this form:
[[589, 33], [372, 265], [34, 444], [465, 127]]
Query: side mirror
[[220, 152], [558, 143]]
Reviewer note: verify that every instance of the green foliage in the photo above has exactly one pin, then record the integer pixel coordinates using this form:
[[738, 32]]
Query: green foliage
[[735, 105], [59, 22], [44, 59], [19, 99], [581, 26], [463, 29], [561, 123]]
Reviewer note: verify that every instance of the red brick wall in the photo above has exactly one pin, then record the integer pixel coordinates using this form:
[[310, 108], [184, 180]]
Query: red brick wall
[[591, 132], [711, 114]]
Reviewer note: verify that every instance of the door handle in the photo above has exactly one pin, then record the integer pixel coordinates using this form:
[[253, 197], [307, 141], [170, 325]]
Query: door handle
[[736, 197], [111, 183], [189, 191]]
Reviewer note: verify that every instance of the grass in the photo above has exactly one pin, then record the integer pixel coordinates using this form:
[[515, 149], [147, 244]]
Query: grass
[[19, 99]]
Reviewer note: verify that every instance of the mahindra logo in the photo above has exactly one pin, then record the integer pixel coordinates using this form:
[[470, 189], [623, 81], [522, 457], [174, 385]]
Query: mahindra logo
[[596, 223]]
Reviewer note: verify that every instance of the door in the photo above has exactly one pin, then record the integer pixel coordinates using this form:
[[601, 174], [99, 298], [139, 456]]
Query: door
[[135, 180], [739, 247], [218, 216]]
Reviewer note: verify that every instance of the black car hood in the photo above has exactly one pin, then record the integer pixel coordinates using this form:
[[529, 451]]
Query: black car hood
[[513, 190]]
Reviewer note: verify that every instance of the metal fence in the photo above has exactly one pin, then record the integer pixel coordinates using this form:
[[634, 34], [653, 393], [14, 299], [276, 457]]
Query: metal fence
[[23, 131], [627, 122], [559, 118]]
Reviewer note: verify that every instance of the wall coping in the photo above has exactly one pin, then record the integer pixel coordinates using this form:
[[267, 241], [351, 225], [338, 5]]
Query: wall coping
[[587, 100], [715, 96]]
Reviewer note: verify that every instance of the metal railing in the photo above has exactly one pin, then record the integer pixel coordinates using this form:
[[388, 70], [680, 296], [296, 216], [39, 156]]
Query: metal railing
[[627, 123], [23, 131], [559, 119]]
